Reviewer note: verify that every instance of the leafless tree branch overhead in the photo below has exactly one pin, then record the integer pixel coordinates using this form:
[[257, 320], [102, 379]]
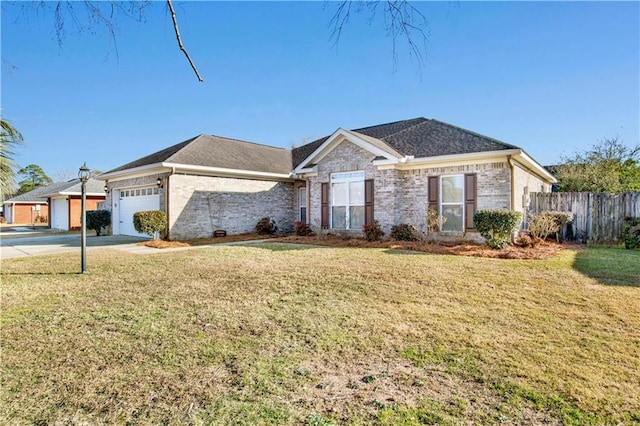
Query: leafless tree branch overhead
[[401, 20], [175, 27]]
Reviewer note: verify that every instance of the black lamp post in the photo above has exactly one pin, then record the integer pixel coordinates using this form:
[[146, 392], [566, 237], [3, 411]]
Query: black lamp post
[[84, 174]]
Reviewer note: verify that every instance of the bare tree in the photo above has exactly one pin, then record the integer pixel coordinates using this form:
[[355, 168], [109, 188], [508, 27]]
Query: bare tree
[[402, 20], [96, 16]]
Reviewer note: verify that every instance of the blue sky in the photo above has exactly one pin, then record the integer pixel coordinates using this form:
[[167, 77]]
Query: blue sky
[[553, 78]]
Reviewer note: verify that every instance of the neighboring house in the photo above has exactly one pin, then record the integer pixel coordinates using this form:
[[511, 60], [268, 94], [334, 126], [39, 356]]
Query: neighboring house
[[27, 209], [64, 199], [391, 173]]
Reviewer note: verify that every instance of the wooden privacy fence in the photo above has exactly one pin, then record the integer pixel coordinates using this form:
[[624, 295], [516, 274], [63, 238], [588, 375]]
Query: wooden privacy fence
[[598, 217]]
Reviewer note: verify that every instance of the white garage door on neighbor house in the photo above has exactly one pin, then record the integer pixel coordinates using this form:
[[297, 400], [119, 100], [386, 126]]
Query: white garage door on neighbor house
[[134, 200]]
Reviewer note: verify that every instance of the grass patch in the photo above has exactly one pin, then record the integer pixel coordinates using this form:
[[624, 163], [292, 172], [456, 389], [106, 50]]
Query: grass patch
[[270, 334], [614, 266]]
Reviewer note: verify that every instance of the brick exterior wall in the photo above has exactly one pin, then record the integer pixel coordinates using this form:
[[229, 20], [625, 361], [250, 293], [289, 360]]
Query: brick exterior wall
[[401, 196], [23, 214], [199, 205], [75, 209]]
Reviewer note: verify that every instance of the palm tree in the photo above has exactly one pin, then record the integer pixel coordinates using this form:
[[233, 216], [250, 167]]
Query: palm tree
[[9, 139]]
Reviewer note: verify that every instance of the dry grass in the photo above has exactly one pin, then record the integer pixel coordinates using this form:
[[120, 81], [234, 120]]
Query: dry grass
[[289, 334]]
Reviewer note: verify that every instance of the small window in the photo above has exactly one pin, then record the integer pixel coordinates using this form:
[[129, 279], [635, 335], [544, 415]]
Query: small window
[[302, 204]]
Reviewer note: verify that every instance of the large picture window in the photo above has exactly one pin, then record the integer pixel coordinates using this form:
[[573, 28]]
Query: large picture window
[[347, 200]]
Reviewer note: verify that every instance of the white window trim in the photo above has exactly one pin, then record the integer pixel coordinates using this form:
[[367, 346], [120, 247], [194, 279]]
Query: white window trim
[[344, 177]]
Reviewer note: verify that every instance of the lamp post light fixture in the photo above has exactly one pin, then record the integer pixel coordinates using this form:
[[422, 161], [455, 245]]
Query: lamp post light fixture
[[84, 174]]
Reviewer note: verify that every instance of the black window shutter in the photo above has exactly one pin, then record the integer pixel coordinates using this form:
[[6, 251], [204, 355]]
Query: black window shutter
[[324, 205], [470, 198], [368, 202]]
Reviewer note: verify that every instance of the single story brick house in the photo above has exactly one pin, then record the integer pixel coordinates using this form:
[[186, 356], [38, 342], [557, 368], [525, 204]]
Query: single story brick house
[[26, 209], [390, 172], [65, 198]]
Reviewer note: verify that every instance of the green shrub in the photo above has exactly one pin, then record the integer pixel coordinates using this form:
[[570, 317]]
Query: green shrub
[[631, 233], [150, 222], [98, 219], [496, 225], [266, 226], [549, 224], [404, 232], [373, 231], [302, 229]]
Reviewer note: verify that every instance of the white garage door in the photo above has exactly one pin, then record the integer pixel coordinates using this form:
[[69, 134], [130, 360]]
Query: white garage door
[[136, 200], [59, 214]]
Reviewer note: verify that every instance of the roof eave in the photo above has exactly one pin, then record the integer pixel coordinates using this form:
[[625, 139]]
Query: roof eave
[[221, 171], [440, 159], [134, 172]]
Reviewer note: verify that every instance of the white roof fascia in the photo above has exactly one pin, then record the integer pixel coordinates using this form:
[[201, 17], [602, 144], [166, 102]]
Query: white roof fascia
[[133, 172], [352, 137], [25, 202], [67, 193], [449, 160], [221, 171]]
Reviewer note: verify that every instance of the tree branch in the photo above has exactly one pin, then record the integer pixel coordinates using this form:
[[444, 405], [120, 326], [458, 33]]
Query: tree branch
[[175, 27]]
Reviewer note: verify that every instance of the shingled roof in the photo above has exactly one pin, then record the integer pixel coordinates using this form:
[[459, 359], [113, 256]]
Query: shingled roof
[[33, 196], [219, 152], [419, 137], [73, 186]]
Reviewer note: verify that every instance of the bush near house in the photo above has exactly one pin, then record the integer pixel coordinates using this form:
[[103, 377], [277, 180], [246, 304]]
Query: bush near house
[[266, 226], [98, 219], [150, 222], [496, 225], [549, 224], [373, 231], [404, 232], [631, 233], [302, 229]]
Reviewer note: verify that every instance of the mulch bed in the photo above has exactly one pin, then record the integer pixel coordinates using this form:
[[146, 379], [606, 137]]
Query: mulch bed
[[543, 250]]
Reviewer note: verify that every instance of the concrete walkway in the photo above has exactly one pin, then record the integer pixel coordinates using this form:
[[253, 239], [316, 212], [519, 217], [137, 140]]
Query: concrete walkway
[[14, 245], [21, 244]]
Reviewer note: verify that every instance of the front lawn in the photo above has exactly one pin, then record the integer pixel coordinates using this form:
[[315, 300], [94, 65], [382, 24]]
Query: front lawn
[[278, 333]]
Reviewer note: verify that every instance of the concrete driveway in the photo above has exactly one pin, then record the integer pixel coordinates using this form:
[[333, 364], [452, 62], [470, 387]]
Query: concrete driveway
[[20, 244]]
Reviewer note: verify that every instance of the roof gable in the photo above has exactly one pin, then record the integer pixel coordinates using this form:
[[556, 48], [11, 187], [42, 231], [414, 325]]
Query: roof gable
[[371, 144]]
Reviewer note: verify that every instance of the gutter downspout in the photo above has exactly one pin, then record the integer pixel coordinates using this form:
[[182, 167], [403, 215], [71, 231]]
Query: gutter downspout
[[166, 201]]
